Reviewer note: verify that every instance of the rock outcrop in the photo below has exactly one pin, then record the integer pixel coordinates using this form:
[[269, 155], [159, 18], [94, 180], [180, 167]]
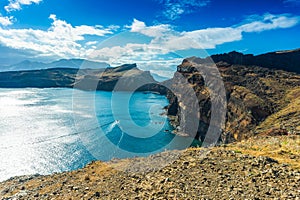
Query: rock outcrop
[[258, 99]]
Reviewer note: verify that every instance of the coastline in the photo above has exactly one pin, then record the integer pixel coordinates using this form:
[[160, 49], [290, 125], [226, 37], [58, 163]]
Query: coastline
[[65, 95]]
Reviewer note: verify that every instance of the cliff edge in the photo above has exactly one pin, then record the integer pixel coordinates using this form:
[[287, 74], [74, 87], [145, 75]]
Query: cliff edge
[[260, 100]]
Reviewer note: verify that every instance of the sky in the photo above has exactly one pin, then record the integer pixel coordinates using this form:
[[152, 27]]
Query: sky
[[155, 34]]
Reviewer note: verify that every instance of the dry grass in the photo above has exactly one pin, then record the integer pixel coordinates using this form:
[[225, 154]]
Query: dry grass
[[90, 175], [285, 149], [288, 117], [248, 97]]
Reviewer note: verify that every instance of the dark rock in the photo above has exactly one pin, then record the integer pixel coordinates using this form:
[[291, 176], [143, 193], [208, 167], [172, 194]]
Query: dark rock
[[4, 191], [97, 194]]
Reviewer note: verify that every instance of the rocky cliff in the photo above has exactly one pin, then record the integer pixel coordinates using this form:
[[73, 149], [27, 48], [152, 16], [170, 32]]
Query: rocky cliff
[[259, 100], [283, 60]]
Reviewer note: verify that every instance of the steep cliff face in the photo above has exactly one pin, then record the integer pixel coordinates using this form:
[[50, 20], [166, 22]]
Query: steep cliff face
[[255, 97]]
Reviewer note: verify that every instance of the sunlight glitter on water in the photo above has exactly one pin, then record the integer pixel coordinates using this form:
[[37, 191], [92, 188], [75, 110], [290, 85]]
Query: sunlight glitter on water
[[38, 134]]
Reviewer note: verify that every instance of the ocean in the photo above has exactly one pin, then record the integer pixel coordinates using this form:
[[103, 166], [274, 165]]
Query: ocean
[[43, 131]]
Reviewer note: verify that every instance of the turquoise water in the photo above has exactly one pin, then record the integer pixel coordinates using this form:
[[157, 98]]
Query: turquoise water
[[53, 130]]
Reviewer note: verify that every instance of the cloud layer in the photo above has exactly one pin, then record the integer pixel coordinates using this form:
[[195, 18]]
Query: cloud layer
[[17, 4], [65, 40], [62, 40], [170, 40], [6, 21], [165, 40]]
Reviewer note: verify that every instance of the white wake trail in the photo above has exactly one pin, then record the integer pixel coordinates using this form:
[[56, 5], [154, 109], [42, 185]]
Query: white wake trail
[[112, 126]]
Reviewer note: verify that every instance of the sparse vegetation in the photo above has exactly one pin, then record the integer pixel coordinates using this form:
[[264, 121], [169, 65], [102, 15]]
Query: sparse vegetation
[[285, 149], [288, 117]]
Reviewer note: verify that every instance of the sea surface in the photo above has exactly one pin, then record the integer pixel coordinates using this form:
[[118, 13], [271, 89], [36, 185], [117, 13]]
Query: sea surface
[[43, 131]]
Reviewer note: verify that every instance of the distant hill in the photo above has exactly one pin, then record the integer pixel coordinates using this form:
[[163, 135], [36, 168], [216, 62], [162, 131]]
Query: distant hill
[[283, 60], [63, 63], [123, 78]]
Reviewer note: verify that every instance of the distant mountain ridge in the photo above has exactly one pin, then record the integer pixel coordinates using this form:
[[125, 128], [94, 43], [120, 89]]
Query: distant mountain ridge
[[288, 60], [122, 78], [63, 63]]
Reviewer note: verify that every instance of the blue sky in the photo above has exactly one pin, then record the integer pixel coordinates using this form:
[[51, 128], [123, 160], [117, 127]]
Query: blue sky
[[156, 34]]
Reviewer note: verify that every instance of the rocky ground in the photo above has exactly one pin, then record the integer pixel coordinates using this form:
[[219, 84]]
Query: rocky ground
[[260, 168]]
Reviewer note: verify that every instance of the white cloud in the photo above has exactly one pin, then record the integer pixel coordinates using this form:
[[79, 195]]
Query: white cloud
[[270, 22], [151, 31], [165, 40], [17, 4], [91, 43], [61, 39], [6, 21], [169, 40], [128, 53], [67, 41], [173, 9], [202, 39]]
